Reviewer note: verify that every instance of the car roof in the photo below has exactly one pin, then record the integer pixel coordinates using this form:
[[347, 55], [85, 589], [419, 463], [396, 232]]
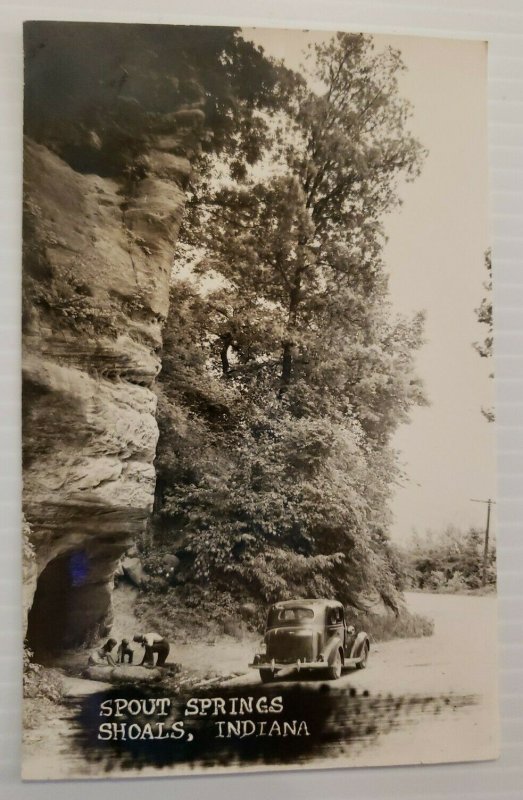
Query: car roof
[[299, 602]]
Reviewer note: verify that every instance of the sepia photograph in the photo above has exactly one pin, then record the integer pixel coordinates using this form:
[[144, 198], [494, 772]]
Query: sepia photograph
[[259, 490]]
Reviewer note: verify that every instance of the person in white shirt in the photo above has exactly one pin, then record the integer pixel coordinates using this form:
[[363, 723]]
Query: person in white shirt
[[153, 643]]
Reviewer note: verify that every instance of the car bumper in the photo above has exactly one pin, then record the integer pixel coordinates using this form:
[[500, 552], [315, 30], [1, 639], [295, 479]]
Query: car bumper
[[259, 662]]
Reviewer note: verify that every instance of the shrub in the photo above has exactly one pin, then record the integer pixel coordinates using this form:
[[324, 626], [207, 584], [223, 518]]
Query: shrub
[[449, 561], [178, 612], [39, 681]]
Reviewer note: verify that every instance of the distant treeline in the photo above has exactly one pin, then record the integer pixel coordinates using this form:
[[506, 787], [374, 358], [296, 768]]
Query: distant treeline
[[448, 561]]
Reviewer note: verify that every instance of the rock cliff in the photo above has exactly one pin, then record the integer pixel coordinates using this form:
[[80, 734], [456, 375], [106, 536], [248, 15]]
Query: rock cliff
[[114, 116], [97, 261]]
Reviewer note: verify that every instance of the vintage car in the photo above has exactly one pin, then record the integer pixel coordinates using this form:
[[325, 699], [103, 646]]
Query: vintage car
[[309, 635]]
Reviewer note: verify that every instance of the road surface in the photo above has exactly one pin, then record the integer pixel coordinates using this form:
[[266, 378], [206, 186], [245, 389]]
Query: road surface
[[458, 661], [431, 699]]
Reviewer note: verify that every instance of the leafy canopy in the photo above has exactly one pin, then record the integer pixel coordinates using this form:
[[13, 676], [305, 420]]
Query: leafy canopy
[[285, 371]]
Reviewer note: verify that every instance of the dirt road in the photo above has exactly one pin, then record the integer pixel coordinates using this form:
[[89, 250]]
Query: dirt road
[[419, 700], [458, 660], [455, 659]]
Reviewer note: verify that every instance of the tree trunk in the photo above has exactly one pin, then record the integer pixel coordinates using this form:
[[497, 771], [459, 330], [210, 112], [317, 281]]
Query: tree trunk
[[286, 365], [226, 341], [288, 344]]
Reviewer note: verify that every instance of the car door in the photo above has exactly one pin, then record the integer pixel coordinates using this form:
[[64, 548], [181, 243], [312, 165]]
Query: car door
[[334, 623], [349, 636]]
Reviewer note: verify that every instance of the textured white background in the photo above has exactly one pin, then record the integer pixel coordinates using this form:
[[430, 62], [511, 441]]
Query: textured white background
[[501, 23]]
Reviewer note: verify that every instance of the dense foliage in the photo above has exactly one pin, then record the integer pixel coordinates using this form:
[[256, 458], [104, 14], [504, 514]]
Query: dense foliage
[[96, 92], [104, 97], [285, 372], [450, 561]]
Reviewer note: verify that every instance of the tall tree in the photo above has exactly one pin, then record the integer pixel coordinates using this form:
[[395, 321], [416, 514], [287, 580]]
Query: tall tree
[[295, 335]]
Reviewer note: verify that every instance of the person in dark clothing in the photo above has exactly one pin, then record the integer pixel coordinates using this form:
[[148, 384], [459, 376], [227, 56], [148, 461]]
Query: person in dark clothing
[[153, 643], [124, 652]]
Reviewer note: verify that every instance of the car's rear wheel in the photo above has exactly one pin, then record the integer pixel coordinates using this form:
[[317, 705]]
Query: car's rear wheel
[[334, 670], [364, 657], [266, 675]]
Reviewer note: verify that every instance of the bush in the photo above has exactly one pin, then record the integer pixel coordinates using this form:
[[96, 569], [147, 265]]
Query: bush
[[449, 561], [178, 612], [39, 681], [456, 583]]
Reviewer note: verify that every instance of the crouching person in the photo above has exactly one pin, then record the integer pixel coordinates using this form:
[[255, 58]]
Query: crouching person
[[124, 653], [153, 643], [102, 656]]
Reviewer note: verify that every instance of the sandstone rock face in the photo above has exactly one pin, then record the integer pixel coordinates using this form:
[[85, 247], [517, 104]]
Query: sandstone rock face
[[134, 572], [114, 116], [97, 262]]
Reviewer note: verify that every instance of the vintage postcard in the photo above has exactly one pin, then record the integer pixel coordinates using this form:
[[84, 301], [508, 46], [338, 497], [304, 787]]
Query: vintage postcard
[[259, 487]]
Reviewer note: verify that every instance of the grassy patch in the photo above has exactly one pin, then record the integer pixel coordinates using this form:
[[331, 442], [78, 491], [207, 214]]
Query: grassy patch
[[181, 619], [387, 626], [177, 619]]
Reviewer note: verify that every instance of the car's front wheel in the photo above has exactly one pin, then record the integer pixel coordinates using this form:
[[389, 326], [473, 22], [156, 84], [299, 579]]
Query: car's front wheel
[[266, 675], [334, 671], [364, 657]]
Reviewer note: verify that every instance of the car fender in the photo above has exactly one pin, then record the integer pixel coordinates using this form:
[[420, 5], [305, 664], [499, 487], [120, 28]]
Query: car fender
[[330, 648], [359, 642]]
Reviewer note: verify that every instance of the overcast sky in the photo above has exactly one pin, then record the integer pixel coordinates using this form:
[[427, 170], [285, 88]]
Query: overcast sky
[[435, 257]]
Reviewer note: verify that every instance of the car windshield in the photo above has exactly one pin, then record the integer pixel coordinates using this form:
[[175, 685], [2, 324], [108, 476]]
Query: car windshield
[[295, 615]]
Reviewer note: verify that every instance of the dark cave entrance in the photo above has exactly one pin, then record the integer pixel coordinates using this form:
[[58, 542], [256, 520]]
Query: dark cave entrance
[[54, 622]]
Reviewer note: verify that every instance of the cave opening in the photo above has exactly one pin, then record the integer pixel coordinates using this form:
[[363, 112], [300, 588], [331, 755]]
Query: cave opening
[[54, 623]]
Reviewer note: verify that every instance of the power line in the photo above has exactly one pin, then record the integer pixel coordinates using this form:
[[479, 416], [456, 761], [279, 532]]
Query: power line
[[488, 503]]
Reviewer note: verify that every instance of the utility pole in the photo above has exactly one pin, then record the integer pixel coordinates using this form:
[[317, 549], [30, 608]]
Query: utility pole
[[489, 503]]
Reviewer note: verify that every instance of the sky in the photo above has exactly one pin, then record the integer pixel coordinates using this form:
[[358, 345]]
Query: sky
[[435, 259]]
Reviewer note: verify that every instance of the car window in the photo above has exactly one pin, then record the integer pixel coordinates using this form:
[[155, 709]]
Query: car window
[[289, 616], [334, 616]]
